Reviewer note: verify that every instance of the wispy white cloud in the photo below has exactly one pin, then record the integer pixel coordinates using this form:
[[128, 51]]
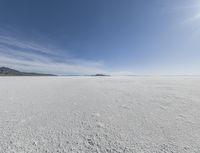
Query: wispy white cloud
[[195, 17], [48, 67], [30, 56], [24, 45]]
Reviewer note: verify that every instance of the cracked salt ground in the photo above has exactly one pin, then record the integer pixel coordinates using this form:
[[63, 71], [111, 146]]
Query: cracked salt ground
[[102, 115]]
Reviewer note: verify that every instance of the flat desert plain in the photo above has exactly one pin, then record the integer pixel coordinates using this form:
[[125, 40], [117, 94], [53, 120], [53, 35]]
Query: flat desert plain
[[100, 114]]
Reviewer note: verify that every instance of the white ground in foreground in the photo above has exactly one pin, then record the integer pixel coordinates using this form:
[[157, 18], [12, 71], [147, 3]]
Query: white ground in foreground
[[99, 114]]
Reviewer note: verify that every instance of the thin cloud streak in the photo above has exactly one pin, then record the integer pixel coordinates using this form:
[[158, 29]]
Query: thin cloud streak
[[24, 45], [50, 67], [26, 56]]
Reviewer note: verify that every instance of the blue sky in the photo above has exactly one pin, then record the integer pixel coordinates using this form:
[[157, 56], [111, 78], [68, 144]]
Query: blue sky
[[101, 36]]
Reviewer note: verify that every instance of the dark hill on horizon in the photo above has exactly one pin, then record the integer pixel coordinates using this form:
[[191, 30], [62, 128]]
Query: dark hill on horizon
[[5, 71]]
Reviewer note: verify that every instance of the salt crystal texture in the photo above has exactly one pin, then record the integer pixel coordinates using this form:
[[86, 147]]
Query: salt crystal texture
[[100, 114]]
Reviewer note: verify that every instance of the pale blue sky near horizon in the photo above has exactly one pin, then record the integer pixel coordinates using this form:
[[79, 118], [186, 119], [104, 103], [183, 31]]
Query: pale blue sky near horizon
[[107, 36]]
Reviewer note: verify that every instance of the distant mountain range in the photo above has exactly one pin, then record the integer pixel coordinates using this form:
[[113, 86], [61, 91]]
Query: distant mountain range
[[5, 71], [100, 75]]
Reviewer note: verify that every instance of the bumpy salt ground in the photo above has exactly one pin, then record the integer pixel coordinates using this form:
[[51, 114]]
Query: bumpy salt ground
[[100, 114]]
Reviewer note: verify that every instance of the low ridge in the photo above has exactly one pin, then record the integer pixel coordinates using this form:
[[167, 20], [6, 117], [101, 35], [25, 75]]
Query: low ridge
[[5, 71]]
